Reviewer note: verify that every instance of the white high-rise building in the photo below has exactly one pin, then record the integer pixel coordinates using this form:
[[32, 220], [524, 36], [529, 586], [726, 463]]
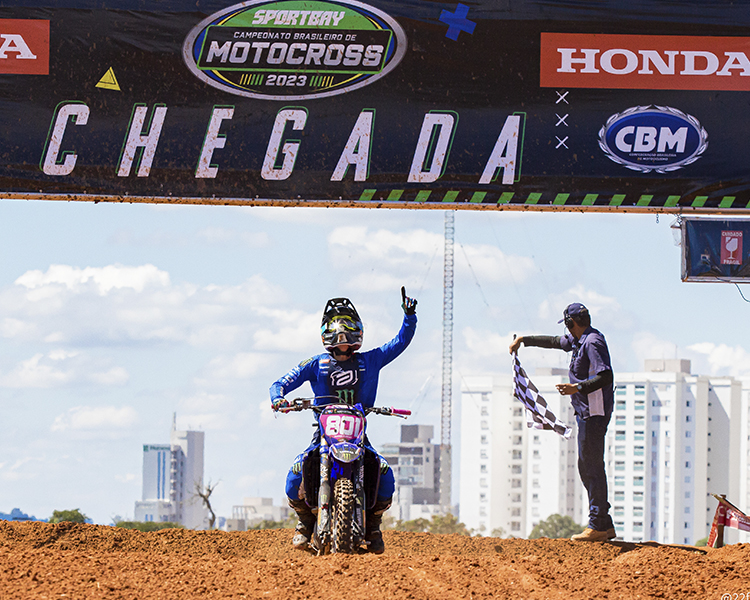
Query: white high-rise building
[[170, 477], [512, 476], [674, 439]]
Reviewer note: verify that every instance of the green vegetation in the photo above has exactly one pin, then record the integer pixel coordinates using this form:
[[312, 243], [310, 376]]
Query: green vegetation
[[555, 526], [148, 526], [498, 532], [438, 524], [702, 542], [289, 523], [71, 516]]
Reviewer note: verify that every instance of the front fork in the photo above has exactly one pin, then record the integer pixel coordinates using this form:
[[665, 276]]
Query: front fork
[[324, 500], [360, 508]]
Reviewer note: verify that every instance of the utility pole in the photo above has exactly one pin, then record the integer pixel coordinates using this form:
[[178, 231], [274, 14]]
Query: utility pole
[[446, 456]]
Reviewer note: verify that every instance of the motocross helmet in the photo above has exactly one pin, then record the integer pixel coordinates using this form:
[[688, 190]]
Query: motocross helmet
[[341, 325]]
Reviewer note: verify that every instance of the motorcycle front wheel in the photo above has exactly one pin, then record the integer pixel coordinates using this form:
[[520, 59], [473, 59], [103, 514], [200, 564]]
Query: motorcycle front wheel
[[343, 516]]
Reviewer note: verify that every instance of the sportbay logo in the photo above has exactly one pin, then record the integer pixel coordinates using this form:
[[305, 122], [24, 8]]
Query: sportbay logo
[[652, 62], [653, 138], [24, 46], [294, 50]]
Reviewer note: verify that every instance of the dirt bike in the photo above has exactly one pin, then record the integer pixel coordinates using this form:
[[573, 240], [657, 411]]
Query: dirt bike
[[342, 474]]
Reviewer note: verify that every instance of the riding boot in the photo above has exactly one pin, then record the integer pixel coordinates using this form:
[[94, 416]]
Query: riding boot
[[305, 526], [373, 519]]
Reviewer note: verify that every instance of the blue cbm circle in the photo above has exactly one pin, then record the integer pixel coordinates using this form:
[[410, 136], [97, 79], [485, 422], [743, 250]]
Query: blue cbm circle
[[653, 138]]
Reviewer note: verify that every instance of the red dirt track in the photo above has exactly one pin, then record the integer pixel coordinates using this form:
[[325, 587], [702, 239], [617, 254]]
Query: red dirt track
[[39, 560]]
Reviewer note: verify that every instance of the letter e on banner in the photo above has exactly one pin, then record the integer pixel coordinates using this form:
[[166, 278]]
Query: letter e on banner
[[24, 46]]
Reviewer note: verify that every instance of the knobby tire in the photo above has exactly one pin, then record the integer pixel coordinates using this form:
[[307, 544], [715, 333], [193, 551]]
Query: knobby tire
[[343, 510]]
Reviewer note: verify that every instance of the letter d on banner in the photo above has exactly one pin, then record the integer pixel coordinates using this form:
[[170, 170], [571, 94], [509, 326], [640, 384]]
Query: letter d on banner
[[431, 149]]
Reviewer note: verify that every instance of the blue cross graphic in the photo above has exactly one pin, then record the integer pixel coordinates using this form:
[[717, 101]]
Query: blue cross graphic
[[457, 22]]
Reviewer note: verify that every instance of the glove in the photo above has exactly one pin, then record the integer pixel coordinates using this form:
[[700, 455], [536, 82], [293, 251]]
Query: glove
[[279, 403], [408, 304]]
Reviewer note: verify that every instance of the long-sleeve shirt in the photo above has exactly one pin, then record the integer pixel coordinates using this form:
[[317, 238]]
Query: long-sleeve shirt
[[349, 382]]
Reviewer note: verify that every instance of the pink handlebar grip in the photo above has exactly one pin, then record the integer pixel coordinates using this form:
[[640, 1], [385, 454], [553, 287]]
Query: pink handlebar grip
[[400, 411]]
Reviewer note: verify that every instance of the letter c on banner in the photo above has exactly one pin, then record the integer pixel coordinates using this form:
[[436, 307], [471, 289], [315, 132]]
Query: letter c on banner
[[79, 114]]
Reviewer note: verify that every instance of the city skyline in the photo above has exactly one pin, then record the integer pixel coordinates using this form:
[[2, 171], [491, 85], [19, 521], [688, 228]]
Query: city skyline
[[115, 316], [675, 438]]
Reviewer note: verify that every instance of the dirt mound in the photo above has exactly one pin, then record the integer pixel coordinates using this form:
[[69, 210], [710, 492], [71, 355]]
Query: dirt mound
[[38, 560]]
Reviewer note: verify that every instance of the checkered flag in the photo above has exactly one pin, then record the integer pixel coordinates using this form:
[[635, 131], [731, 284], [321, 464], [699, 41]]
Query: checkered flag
[[538, 415]]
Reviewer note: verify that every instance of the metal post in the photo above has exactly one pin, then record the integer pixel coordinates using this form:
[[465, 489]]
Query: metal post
[[720, 527]]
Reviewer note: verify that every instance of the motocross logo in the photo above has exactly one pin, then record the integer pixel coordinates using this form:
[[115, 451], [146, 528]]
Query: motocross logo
[[653, 138], [294, 50]]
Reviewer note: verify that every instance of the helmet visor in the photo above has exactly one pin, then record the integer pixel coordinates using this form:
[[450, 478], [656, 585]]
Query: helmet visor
[[341, 331]]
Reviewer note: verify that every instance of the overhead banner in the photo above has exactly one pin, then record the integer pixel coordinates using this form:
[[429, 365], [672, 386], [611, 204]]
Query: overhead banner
[[498, 104], [716, 250]]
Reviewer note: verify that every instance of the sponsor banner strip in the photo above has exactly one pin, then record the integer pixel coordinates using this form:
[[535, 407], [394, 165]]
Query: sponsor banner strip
[[371, 198]]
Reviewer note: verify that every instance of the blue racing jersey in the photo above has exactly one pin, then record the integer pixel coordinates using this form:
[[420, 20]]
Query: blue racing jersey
[[354, 381]]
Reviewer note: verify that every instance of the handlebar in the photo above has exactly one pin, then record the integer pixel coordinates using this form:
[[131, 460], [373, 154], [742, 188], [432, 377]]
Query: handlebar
[[299, 404]]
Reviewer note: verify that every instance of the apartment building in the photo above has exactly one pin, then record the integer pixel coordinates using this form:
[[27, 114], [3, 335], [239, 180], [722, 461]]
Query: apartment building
[[415, 461], [513, 476]]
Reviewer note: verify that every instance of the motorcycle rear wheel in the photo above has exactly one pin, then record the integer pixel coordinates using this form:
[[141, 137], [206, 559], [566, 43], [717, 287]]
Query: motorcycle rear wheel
[[343, 516]]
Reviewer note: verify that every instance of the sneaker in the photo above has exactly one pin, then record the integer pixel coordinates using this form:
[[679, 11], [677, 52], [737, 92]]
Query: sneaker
[[592, 535], [611, 533], [375, 542]]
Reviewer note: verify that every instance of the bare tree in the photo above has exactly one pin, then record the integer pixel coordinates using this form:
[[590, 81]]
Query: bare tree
[[204, 493]]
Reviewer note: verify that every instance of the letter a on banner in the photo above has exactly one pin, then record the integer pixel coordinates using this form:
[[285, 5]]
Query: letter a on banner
[[357, 149]]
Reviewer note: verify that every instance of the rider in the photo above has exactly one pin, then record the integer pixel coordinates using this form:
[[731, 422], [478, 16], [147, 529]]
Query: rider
[[343, 375]]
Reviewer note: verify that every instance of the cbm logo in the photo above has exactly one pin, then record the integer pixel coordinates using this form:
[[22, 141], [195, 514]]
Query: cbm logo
[[653, 138]]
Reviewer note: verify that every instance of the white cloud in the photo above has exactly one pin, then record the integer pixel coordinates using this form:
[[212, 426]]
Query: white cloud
[[291, 331], [103, 279], [646, 345], [383, 259], [243, 365], [489, 264], [116, 304], [96, 418], [723, 359], [603, 309], [60, 368], [487, 352]]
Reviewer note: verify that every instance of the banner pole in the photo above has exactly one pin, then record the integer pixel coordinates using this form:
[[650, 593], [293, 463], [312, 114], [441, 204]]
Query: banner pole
[[720, 529]]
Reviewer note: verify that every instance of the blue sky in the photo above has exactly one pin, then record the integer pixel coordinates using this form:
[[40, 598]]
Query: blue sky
[[113, 317]]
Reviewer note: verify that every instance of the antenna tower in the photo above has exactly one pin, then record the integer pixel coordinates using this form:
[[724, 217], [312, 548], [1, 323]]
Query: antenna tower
[[446, 467]]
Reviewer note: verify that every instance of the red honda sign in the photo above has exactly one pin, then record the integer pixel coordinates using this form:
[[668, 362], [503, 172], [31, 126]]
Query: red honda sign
[[650, 62], [24, 46]]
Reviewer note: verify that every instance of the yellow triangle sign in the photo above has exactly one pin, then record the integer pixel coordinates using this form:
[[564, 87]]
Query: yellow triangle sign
[[109, 81]]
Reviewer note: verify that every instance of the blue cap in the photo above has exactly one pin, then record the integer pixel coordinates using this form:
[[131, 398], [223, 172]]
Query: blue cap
[[574, 309]]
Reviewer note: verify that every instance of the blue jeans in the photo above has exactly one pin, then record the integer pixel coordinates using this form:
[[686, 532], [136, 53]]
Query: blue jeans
[[591, 434]]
